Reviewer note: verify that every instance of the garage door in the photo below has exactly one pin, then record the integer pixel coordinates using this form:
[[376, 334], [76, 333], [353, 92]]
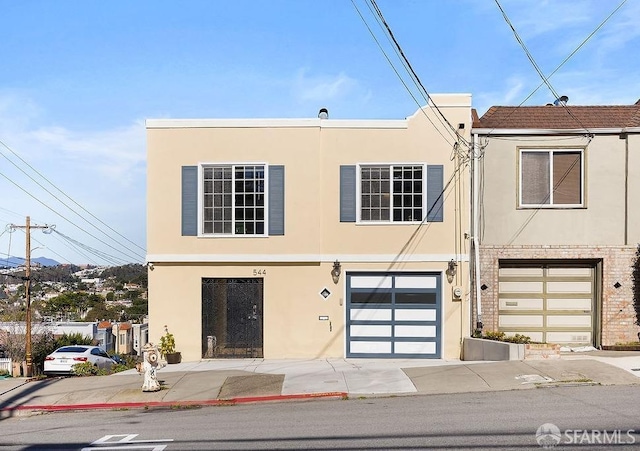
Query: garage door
[[550, 303], [393, 315]]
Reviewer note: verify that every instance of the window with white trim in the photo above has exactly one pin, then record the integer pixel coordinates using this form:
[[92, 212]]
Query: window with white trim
[[551, 178], [391, 193], [233, 199]]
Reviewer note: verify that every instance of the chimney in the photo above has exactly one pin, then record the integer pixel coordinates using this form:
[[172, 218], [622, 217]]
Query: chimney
[[561, 101]]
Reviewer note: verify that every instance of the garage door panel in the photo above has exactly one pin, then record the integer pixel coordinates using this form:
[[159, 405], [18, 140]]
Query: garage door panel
[[582, 305], [415, 331], [520, 287], [519, 272], [363, 330], [408, 347], [577, 337], [521, 304], [521, 321], [370, 314], [416, 314], [569, 272], [371, 347], [569, 321], [569, 287]]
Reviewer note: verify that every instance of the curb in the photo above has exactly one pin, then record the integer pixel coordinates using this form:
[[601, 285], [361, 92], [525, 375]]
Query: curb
[[174, 404]]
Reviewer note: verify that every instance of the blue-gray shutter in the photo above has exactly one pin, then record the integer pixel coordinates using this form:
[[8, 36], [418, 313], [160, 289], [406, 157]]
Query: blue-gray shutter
[[435, 194], [347, 194], [276, 200], [189, 200]]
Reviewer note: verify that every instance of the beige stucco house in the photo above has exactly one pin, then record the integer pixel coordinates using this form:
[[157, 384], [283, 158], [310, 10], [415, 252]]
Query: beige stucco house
[[557, 224], [310, 238]]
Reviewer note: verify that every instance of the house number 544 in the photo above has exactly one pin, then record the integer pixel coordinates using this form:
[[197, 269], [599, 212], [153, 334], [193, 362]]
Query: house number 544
[[259, 272]]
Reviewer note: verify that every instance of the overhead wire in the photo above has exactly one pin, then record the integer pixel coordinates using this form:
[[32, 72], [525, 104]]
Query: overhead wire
[[418, 103], [545, 79], [62, 216], [407, 64], [68, 197]]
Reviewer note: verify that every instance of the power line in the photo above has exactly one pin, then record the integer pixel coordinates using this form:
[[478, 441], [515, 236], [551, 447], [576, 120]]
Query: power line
[[413, 73], [67, 196], [565, 60]]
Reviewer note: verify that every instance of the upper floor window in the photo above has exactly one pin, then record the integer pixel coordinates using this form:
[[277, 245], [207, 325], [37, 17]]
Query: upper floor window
[[391, 193], [551, 178], [233, 199], [244, 199]]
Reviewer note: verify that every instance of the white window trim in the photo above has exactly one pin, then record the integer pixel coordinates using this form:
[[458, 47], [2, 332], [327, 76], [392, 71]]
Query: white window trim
[[201, 167], [550, 152], [359, 220]]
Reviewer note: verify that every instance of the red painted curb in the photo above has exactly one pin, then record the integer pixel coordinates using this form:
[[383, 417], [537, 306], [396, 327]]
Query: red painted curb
[[210, 402]]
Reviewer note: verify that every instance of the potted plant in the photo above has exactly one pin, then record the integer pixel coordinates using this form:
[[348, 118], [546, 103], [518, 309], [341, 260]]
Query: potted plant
[[168, 347]]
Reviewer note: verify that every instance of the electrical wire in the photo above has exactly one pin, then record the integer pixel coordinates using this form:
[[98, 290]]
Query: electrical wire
[[420, 105], [63, 217], [62, 202], [412, 72]]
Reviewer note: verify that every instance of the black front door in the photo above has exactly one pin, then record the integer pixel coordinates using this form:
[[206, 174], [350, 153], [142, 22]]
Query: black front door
[[232, 318]]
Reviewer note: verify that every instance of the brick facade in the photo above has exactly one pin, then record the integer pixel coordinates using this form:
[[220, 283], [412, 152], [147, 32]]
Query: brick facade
[[616, 304]]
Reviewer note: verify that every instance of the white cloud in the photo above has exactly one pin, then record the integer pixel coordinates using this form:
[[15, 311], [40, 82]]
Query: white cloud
[[322, 88]]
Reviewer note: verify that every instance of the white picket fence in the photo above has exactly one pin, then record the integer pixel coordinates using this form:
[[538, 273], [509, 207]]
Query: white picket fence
[[5, 364]]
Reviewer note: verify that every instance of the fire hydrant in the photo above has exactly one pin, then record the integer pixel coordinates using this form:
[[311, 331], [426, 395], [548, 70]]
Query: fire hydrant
[[150, 364]]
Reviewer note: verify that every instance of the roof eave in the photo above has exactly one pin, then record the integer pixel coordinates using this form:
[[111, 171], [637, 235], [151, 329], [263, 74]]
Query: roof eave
[[558, 131]]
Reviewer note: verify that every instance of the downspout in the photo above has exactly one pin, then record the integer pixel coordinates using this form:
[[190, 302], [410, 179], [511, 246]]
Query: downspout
[[474, 233], [626, 189]]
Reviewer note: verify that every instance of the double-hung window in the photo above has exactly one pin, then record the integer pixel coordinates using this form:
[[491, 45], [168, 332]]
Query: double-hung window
[[551, 178], [392, 193]]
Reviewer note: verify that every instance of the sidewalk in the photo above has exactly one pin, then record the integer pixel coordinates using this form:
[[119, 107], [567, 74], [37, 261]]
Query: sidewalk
[[212, 382]]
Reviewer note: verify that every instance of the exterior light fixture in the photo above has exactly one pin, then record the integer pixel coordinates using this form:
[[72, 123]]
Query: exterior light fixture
[[323, 113], [452, 270], [335, 271]]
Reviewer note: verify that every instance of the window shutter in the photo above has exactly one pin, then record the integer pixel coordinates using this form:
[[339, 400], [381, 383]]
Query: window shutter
[[435, 194], [276, 200], [189, 200], [347, 194]]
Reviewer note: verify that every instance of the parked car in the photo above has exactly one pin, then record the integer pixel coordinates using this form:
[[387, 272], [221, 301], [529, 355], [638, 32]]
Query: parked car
[[118, 359], [61, 360]]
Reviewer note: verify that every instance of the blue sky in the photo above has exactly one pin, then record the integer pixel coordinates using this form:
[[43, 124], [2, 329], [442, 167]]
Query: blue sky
[[79, 78]]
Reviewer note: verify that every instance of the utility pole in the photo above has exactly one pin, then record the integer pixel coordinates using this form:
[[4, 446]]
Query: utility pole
[[27, 288]]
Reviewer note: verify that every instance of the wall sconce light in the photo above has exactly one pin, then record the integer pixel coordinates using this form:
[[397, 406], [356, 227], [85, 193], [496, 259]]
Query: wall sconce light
[[452, 270], [335, 272], [617, 285], [484, 286]]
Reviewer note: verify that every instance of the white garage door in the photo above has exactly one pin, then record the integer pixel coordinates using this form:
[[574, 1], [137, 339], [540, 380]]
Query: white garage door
[[550, 303], [393, 315]]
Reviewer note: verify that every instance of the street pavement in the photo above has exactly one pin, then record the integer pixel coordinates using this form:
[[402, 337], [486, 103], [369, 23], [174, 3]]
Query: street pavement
[[234, 381]]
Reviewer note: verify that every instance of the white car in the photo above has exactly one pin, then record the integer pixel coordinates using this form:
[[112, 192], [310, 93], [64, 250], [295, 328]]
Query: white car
[[62, 359]]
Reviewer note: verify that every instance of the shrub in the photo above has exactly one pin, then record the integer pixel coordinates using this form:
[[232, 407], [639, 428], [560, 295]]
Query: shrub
[[167, 343], [87, 369], [4, 373], [636, 286], [500, 336]]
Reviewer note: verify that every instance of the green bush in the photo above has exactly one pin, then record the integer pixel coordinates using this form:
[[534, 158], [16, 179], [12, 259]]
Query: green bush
[[87, 369], [500, 336], [635, 275], [4, 373]]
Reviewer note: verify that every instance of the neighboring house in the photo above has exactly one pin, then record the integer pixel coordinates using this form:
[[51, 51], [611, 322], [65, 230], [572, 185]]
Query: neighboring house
[[558, 224], [123, 338], [140, 337], [105, 337], [310, 238]]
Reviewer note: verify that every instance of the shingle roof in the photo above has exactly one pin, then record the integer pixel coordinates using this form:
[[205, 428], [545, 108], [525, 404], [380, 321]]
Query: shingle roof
[[558, 117]]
